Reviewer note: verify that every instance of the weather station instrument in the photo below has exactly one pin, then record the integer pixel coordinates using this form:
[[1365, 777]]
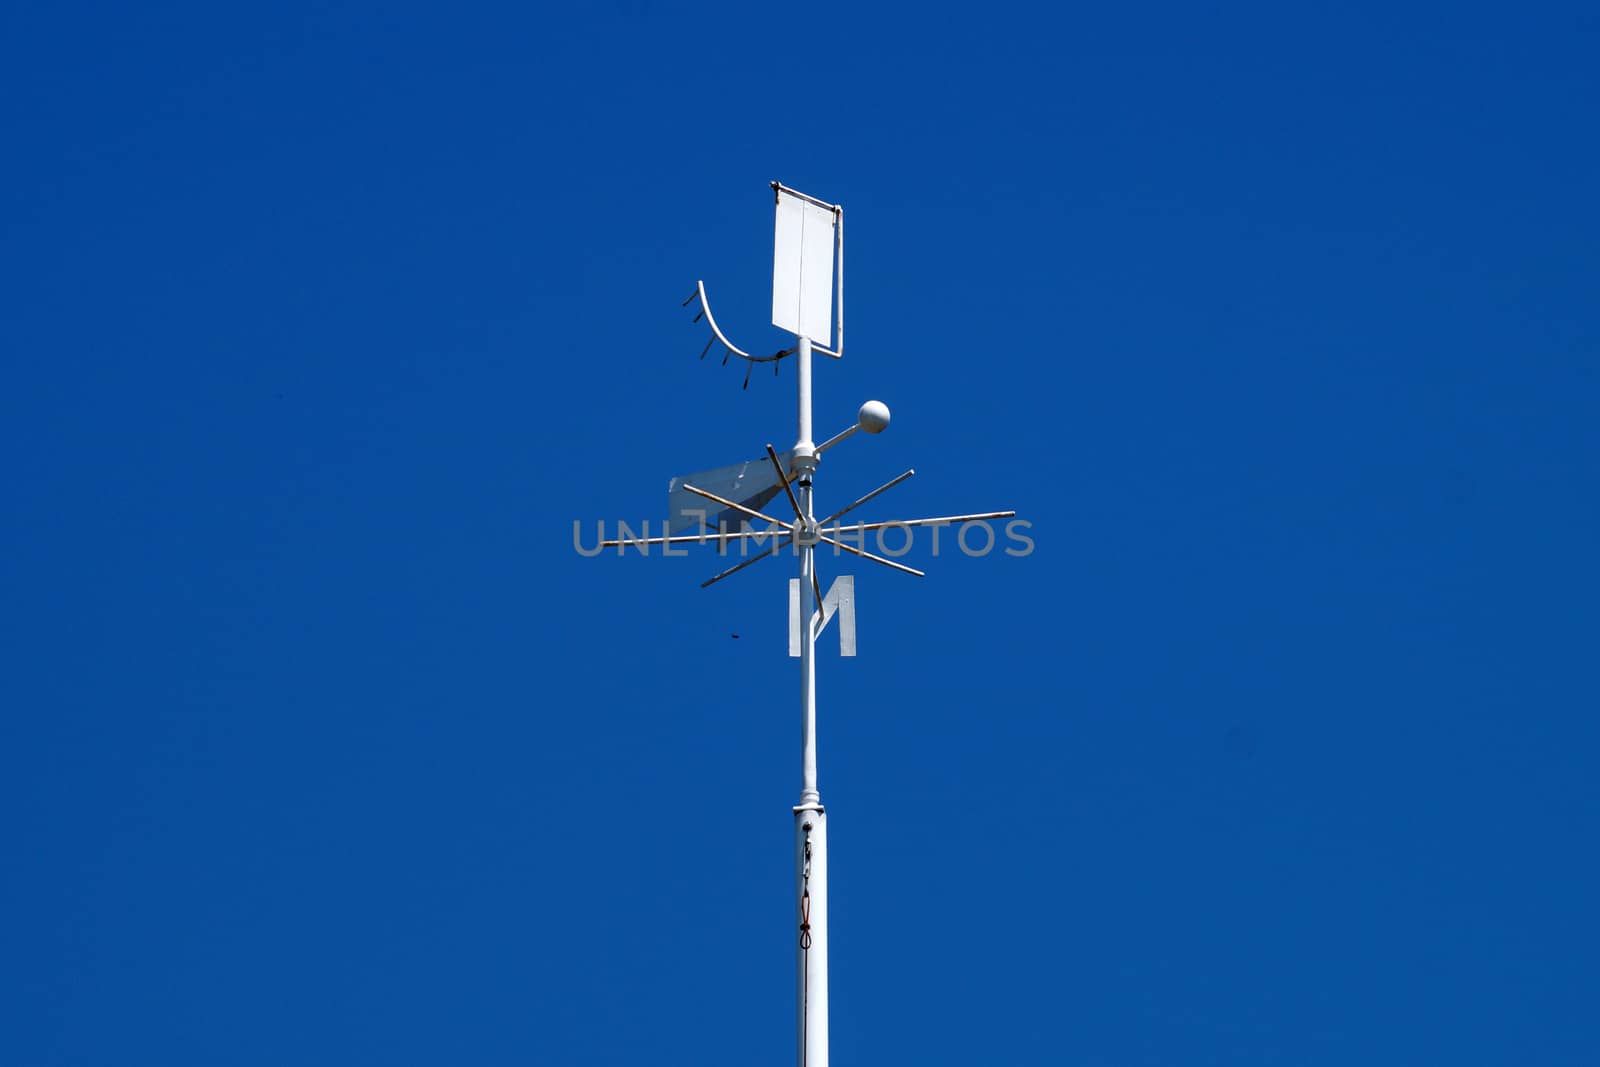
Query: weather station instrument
[[719, 504]]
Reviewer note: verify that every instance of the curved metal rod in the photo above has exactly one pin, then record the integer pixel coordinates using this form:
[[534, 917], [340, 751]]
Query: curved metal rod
[[711, 320]]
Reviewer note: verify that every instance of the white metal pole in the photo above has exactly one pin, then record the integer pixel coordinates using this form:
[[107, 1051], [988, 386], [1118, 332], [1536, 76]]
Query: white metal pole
[[811, 859], [803, 358], [810, 830], [805, 462]]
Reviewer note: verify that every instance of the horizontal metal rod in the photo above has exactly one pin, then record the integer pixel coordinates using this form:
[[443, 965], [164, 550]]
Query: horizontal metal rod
[[884, 488], [697, 539], [780, 187]]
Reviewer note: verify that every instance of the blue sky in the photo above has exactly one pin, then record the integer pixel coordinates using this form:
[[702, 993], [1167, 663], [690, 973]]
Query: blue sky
[[319, 743]]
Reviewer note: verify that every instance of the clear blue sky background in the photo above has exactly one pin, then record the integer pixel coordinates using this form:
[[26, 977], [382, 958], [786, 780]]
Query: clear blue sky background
[[320, 745]]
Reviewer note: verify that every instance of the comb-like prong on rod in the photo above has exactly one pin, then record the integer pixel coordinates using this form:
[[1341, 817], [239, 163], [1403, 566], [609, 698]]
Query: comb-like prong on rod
[[737, 567], [707, 348], [748, 367], [691, 297], [884, 488], [699, 315], [725, 356], [783, 480], [697, 491], [944, 520], [875, 559]]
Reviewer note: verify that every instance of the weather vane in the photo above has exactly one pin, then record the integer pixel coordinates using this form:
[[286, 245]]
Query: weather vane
[[807, 264]]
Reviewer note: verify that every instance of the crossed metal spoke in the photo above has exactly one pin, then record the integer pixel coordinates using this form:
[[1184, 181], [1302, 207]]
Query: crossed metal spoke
[[884, 488], [736, 568], [820, 536], [786, 532]]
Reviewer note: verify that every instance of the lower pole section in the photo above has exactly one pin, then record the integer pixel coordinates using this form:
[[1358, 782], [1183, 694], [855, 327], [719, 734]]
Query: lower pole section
[[811, 889]]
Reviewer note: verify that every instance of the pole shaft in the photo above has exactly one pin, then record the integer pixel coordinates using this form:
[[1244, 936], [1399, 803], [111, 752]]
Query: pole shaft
[[811, 890], [808, 675], [803, 357], [811, 831], [805, 468]]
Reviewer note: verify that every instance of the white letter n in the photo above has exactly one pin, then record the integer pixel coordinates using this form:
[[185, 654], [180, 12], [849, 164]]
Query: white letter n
[[841, 601]]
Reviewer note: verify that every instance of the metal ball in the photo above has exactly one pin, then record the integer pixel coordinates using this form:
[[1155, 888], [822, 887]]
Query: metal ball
[[874, 416]]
